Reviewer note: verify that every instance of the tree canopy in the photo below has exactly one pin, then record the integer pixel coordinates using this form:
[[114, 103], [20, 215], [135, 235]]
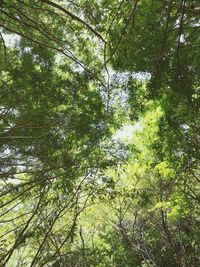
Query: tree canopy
[[100, 133]]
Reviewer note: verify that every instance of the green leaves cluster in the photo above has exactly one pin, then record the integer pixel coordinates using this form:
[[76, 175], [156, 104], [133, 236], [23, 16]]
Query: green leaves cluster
[[72, 194]]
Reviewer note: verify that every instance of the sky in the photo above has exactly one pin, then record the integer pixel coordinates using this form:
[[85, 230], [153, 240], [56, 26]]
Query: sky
[[10, 39], [125, 134]]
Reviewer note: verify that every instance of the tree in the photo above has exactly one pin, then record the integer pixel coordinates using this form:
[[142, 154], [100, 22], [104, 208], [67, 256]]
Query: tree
[[72, 195]]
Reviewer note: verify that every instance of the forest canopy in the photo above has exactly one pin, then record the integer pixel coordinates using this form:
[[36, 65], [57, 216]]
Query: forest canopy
[[100, 133]]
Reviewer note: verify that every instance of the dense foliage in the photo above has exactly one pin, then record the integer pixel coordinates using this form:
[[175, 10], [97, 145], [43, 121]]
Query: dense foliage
[[100, 133]]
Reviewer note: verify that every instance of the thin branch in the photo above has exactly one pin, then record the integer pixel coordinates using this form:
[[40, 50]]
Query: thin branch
[[73, 17]]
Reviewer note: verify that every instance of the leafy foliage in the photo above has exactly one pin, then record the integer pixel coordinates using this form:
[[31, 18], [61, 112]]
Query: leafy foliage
[[72, 192]]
